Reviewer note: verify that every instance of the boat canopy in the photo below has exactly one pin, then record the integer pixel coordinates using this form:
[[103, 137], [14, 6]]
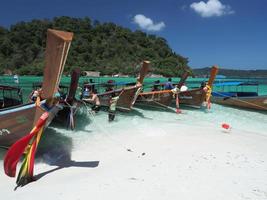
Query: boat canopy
[[236, 83]]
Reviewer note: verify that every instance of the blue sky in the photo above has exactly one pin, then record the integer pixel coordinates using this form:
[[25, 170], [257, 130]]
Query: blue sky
[[230, 33]]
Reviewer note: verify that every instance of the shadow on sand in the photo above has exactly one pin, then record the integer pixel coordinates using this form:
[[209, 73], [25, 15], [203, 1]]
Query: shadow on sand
[[55, 150]]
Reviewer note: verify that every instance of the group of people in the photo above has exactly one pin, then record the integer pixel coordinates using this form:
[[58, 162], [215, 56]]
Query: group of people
[[167, 86], [90, 96]]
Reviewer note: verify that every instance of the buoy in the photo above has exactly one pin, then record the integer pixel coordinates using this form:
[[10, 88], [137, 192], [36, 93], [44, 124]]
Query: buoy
[[226, 126], [178, 111]]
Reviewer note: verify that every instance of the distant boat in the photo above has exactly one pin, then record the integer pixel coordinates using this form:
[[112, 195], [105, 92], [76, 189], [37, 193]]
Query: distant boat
[[239, 97], [18, 119], [10, 96]]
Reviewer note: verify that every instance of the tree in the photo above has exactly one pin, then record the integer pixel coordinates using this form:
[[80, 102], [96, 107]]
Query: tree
[[105, 47]]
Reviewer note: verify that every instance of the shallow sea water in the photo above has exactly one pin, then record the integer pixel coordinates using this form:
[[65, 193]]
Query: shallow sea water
[[153, 122], [147, 121]]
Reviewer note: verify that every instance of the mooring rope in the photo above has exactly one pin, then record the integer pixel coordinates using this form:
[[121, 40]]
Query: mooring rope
[[71, 115], [106, 133]]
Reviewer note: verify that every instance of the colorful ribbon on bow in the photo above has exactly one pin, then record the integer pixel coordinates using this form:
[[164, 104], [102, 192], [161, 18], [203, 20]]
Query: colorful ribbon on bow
[[27, 145]]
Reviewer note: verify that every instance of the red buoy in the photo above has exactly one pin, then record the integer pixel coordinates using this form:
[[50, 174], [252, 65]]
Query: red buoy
[[225, 126], [178, 111]]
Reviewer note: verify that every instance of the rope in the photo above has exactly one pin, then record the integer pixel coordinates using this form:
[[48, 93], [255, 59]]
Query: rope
[[160, 104], [106, 133], [151, 100], [236, 99], [73, 111], [148, 105]]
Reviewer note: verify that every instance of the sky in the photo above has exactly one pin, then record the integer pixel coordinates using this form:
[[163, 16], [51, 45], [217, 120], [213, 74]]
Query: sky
[[228, 33]]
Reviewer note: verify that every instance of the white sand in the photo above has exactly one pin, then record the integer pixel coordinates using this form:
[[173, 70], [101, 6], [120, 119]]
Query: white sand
[[181, 161]]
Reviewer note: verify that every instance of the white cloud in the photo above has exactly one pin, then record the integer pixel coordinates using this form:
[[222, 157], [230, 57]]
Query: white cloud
[[147, 23], [211, 8]]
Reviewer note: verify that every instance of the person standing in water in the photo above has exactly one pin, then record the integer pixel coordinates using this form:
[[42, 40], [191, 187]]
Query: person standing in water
[[112, 106], [94, 100]]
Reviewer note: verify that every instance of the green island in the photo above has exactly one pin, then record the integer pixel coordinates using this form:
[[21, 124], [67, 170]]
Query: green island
[[104, 47], [232, 73]]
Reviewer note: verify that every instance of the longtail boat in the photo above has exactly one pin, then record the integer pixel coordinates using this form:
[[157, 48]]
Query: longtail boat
[[128, 94], [67, 99], [17, 121], [237, 97], [69, 103], [10, 96], [196, 97], [161, 98]]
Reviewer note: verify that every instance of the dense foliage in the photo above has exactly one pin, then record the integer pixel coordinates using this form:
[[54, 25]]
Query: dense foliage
[[231, 73], [105, 47]]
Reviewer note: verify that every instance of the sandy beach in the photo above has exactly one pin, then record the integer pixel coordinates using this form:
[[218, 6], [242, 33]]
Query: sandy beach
[[133, 100], [171, 160]]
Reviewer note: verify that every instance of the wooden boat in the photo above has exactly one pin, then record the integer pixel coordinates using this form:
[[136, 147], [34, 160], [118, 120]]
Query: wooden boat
[[161, 98], [17, 121], [10, 96], [239, 98], [127, 94], [69, 102], [196, 97]]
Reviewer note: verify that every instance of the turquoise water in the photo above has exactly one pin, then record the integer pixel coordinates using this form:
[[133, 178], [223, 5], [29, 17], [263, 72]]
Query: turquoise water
[[25, 82], [144, 120], [149, 122]]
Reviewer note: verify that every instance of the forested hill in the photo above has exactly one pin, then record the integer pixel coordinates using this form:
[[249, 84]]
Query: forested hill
[[232, 73], [104, 47]]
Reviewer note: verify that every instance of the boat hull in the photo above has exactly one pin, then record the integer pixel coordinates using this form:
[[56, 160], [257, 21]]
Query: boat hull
[[126, 100], [160, 99], [192, 98], [257, 103], [18, 121]]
